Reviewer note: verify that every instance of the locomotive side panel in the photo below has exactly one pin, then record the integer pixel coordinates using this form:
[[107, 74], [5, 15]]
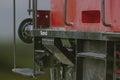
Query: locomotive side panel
[[91, 7], [75, 14], [57, 12], [115, 15]]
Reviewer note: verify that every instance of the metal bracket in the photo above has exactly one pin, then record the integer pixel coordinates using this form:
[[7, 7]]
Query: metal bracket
[[65, 12], [103, 15]]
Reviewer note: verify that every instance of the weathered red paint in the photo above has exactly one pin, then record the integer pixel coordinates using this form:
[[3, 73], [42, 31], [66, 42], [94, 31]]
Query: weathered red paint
[[43, 19], [74, 15]]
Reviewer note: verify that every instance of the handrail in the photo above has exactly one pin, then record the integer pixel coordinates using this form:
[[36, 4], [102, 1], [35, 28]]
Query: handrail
[[103, 15], [65, 8], [14, 31], [34, 5], [29, 7]]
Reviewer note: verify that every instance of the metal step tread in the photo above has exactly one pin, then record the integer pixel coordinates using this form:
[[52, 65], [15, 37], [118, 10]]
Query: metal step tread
[[92, 55], [26, 71], [42, 51]]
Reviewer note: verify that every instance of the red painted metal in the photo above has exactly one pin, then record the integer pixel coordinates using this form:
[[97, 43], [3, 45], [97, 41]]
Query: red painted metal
[[43, 19], [57, 13], [115, 15], [74, 15]]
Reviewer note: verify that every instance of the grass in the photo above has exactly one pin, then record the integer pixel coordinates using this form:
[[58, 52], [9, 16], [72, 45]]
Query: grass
[[24, 59]]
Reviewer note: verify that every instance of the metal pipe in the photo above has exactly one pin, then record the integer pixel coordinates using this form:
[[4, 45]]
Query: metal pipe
[[14, 31], [34, 14], [103, 15], [65, 12], [34, 27], [29, 7]]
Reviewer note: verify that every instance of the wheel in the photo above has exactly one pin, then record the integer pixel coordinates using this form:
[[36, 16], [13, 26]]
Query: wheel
[[23, 30]]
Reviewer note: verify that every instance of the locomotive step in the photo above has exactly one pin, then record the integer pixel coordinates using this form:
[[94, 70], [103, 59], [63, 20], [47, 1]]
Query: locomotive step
[[42, 51], [27, 72], [92, 55]]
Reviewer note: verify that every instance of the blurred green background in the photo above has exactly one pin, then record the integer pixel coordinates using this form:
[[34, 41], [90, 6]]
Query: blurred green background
[[24, 59]]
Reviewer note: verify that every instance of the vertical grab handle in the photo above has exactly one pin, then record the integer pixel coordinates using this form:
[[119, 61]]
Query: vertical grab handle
[[103, 15], [29, 7], [65, 12]]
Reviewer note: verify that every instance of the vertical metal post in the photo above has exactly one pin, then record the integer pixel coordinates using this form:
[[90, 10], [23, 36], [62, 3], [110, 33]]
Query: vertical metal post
[[34, 26], [52, 76], [110, 73], [79, 60], [34, 13], [14, 31], [29, 7], [115, 65]]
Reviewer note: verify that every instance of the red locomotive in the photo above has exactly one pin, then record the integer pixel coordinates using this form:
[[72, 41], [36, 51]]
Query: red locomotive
[[76, 39]]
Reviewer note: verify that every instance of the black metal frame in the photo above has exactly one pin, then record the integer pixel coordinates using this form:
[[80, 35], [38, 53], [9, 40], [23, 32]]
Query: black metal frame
[[70, 55], [110, 68]]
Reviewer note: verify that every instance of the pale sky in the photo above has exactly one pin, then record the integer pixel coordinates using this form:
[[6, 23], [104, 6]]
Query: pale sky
[[6, 15]]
